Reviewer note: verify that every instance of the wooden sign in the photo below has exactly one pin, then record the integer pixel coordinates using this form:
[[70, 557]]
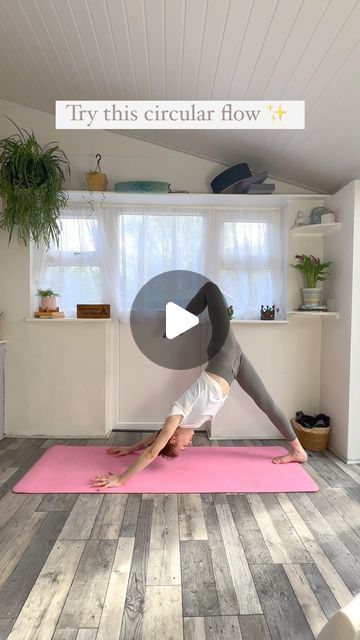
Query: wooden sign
[[93, 311]]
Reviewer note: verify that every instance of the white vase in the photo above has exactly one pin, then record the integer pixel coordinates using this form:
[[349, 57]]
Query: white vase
[[49, 303], [312, 296]]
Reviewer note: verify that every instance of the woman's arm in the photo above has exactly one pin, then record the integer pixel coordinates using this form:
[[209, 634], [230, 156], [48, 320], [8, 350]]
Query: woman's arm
[[169, 428], [144, 443], [123, 450], [112, 480]]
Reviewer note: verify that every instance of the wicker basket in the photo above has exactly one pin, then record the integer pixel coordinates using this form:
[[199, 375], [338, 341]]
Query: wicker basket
[[96, 181], [315, 439]]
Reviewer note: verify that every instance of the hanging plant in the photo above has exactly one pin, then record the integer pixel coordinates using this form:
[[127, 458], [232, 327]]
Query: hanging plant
[[31, 180], [96, 180]]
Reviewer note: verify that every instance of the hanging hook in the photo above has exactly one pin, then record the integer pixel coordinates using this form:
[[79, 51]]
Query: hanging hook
[[98, 162]]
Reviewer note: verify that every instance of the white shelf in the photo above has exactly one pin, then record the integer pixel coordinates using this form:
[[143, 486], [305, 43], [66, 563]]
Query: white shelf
[[259, 321], [316, 229], [316, 314], [227, 200], [41, 320]]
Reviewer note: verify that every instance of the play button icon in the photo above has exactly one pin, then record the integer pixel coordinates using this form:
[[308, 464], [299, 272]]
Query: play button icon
[[162, 327], [178, 320]]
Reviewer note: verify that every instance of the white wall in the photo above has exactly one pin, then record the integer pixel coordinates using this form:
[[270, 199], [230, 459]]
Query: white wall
[[75, 373], [353, 451], [340, 373]]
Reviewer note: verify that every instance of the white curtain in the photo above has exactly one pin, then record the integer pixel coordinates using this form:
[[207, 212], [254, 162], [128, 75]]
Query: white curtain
[[107, 254], [249, 260], [84, 269], [153, 241]]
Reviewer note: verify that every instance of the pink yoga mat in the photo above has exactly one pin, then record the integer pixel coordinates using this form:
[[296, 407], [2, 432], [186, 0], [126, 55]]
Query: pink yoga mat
[[70, 469]]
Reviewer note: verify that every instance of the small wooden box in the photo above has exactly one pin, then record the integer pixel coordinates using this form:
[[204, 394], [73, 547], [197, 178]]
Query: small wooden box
[[93, 311]]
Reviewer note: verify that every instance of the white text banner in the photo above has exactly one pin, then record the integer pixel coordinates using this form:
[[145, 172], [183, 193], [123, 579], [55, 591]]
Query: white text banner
[[181, 114]]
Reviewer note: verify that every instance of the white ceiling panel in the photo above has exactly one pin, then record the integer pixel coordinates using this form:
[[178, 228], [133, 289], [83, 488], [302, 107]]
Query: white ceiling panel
[[121, 39], [216, 17], [206, 50], [155, 47], [279, 31], [237, 19], [257, 27], [194, 25]]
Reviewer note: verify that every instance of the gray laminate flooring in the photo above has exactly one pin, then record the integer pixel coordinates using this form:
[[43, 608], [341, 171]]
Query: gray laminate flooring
[[175, 567]]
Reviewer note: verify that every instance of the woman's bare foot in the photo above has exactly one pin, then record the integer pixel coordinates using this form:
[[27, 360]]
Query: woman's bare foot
[[297, 454], [294, 456]]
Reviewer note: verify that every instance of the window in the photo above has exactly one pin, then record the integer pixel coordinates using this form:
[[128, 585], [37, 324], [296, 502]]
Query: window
[[73, 269], [151, 243], [108, 254], [250, 260]]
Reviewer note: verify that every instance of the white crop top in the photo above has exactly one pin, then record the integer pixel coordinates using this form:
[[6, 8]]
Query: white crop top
[[199, 403]]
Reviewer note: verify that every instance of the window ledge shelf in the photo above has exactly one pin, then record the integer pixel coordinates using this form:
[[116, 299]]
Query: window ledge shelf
[[41, 320], [259, 321], [309, 314]]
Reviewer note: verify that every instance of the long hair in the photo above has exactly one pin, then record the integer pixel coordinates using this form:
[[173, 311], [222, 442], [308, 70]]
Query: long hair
[[168, 451]]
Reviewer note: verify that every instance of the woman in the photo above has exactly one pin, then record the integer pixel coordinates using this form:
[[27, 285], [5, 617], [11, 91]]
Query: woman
[[206, 396]]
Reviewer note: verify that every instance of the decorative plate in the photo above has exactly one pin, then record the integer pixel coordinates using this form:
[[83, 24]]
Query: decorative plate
[[143, 186]]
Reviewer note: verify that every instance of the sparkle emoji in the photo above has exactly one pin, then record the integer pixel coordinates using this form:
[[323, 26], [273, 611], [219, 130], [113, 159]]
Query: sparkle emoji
[[280, 112]]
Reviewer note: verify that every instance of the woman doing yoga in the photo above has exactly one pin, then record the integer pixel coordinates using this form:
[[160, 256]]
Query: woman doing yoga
[[206, 396]]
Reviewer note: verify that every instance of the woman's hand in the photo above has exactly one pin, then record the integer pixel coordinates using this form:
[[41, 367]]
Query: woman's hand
[[119, 451], [109, 480]]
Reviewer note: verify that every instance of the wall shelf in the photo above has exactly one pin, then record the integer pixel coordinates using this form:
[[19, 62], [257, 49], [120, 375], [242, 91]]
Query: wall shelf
[[212, 200], [316, 229], [316, 314], [259, 321], [52, 320]]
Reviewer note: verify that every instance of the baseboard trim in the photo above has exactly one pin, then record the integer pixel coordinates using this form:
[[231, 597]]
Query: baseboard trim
[[244, 438], [346, 460], [137, 426]]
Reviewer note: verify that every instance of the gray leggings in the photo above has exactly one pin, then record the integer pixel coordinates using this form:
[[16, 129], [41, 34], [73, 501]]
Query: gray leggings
[[227, 360]]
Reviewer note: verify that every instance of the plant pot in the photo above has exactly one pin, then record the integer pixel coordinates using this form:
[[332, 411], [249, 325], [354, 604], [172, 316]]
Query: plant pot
[[315, 439], [49, 303], [96, 181], [312, 296]]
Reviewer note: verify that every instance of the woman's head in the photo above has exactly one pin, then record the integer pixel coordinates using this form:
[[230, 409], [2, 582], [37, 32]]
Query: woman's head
[[178, 442]]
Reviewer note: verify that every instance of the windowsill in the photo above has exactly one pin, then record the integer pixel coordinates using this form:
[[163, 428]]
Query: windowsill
[[260, 321], [111, 319], [68, 320], [314, 314]]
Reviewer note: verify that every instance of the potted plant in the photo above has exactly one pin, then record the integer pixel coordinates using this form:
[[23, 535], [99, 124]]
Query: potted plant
[[48, 299], [31, 179], [96, 180], [313, 271]]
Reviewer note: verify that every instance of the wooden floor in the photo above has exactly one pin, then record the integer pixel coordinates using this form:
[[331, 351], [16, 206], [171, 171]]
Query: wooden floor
[[171, 567]]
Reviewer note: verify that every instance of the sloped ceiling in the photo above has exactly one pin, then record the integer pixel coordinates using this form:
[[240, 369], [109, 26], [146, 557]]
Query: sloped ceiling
[[204, 50]]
